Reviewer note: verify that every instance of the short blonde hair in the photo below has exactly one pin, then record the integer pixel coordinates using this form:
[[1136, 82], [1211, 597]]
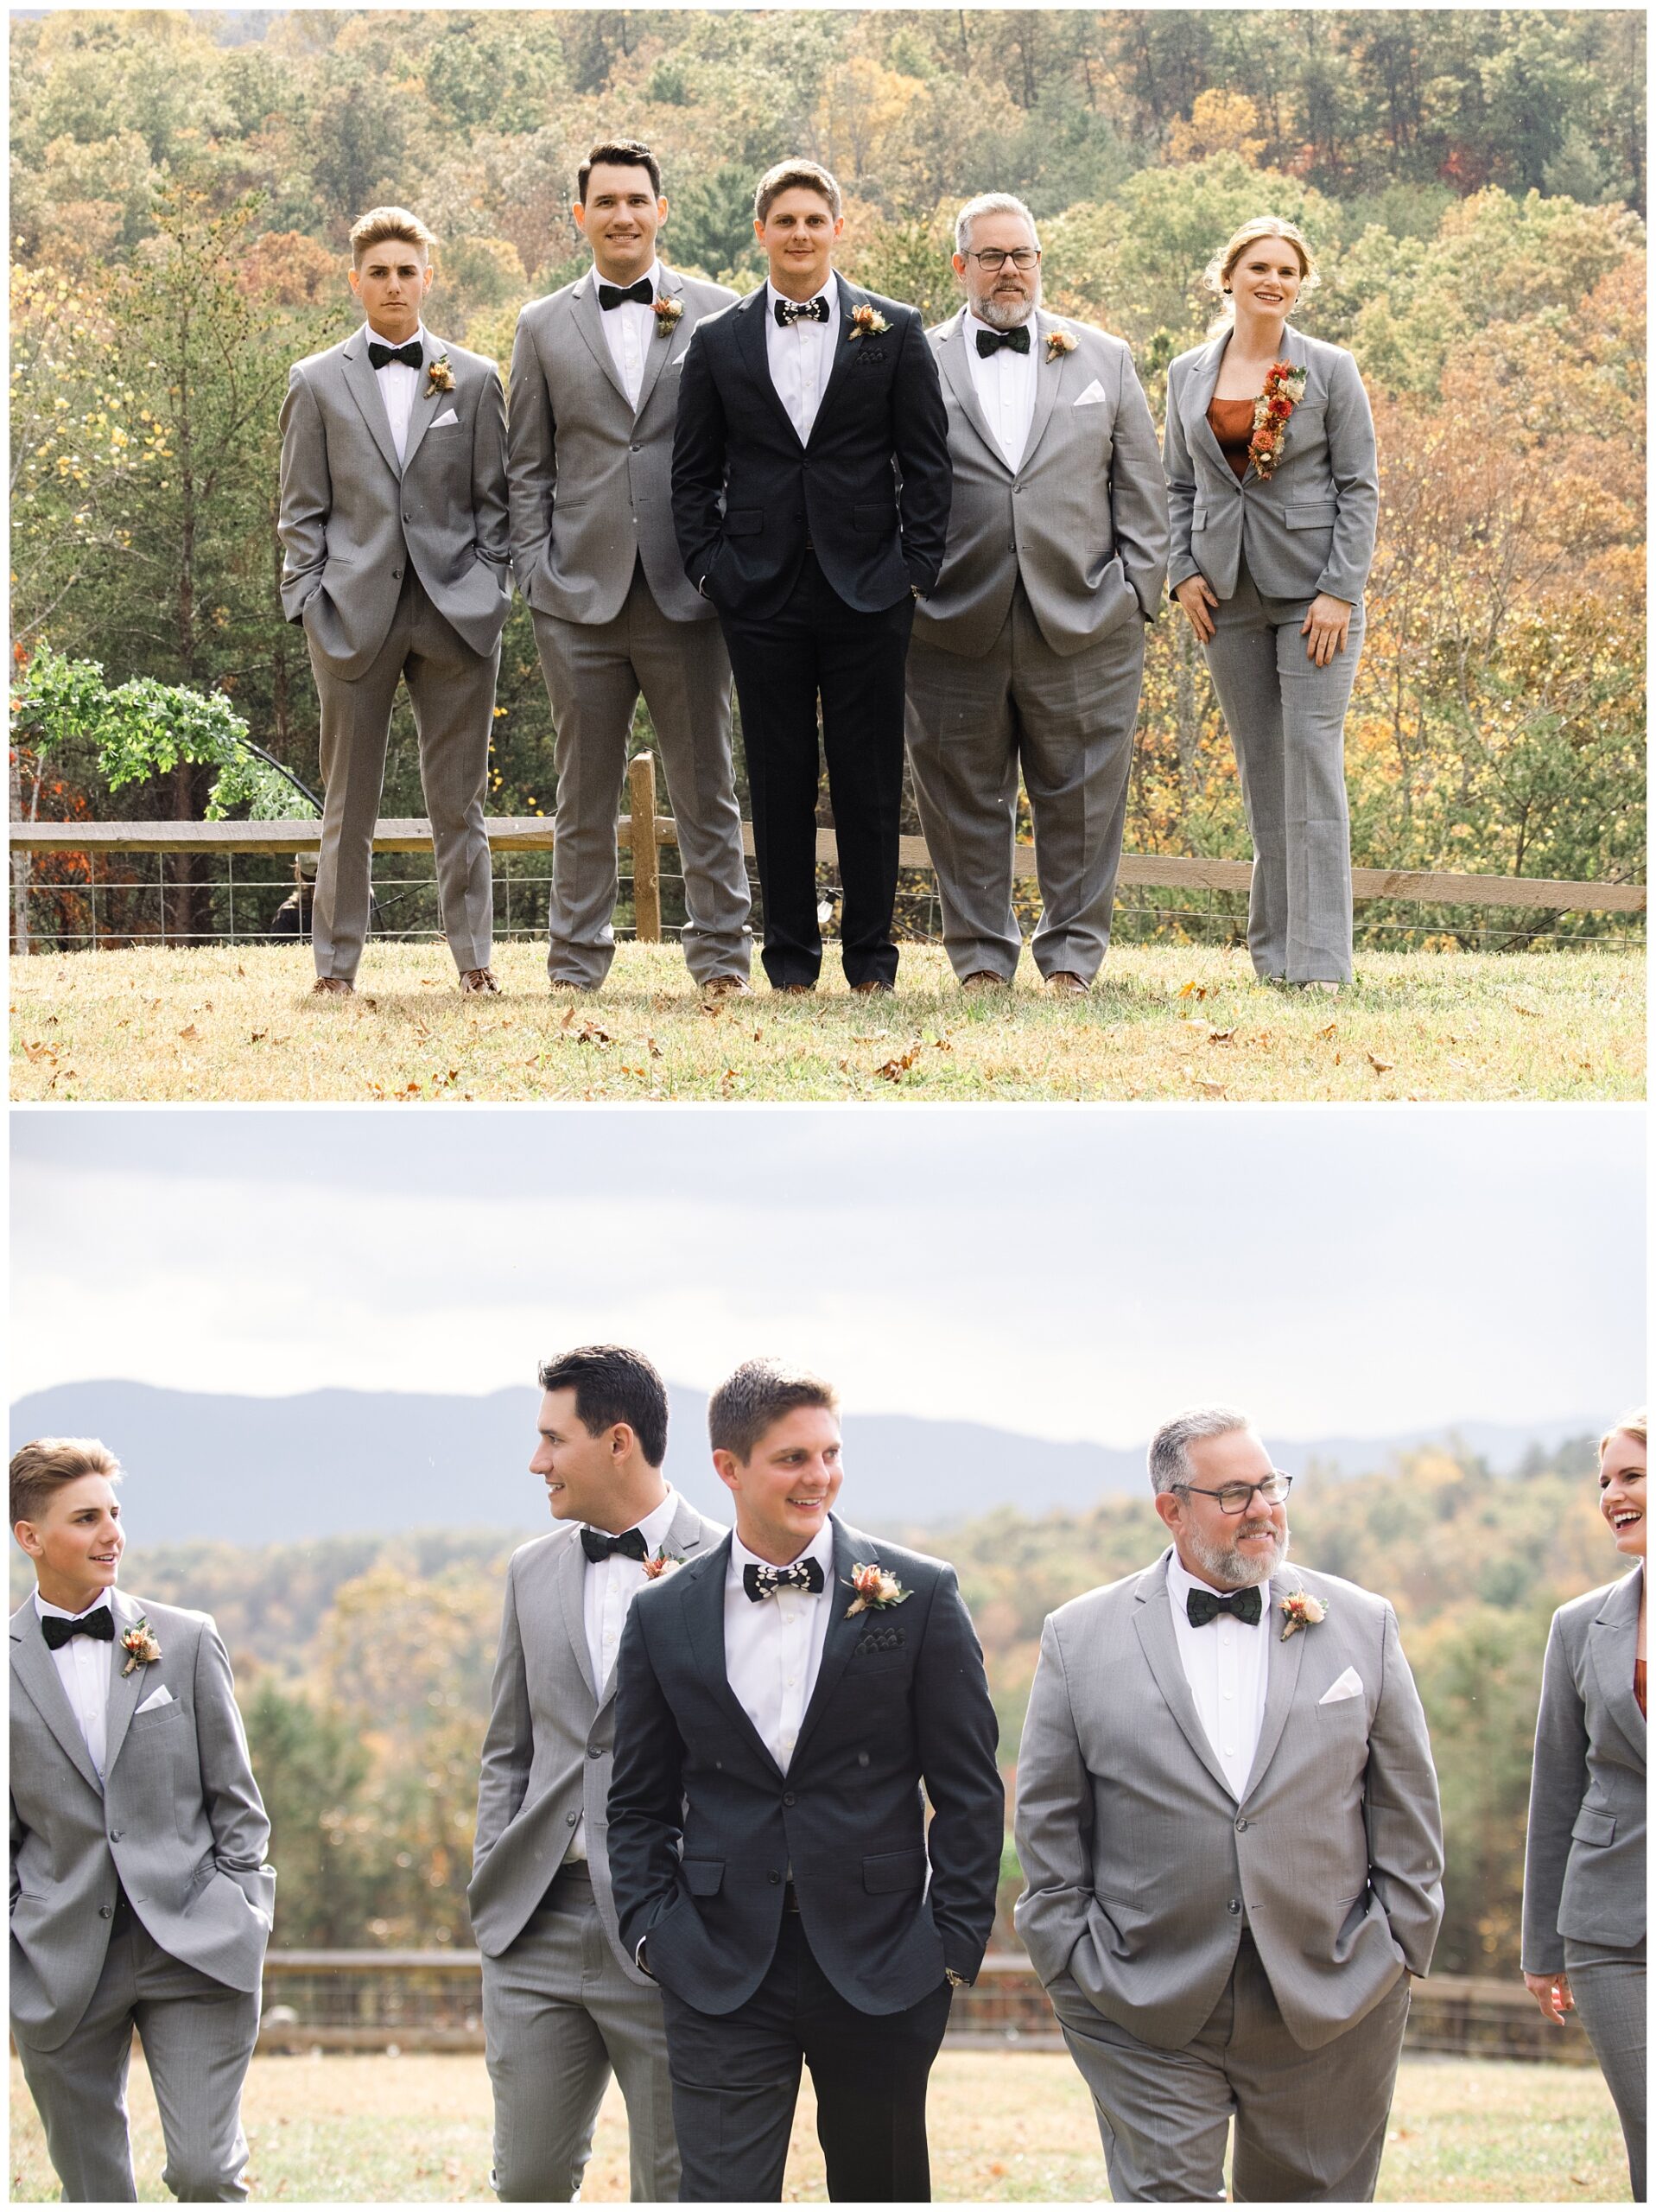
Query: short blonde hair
[[1217, 272], [798, 174], [380, 224], [1631, 1424], [44, 1466]]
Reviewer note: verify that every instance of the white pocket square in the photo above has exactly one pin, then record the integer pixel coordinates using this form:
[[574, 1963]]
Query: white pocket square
[[1093, 397], [163, 1696], [1349, 1685], [441, 421]]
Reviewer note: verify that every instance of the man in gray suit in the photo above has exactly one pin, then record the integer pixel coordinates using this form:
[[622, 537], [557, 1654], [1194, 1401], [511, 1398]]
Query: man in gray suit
[[396, 559], [1029, 650], [563, 2005], [1228, 1819], [140, 1898], [595, 397]]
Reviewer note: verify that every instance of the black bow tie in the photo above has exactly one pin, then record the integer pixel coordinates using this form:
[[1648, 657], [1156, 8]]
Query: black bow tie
[[99, 1625], [991, 341], [612, 296], [597, 1545], [792, 311], [765, 1581], [1204, 1605], [381, 356]]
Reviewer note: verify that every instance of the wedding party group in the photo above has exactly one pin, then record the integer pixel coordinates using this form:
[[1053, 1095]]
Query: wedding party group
[[740, 1812], [949, 542]]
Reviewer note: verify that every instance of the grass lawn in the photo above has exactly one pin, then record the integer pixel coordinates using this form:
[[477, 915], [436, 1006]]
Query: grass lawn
[[235, 1022], [1005, 2129]]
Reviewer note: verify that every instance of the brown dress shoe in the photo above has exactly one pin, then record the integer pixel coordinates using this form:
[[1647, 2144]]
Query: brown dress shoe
[[1066, 984], [793, 990], [477, 982], [874, 989], [726, 987], [985, 979], [332, 986]]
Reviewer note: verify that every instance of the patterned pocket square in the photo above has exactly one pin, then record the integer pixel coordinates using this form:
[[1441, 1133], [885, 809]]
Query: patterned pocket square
[[1349, 1685], [880, 1639], [1093, 397], [441, 421], [163, 1696]]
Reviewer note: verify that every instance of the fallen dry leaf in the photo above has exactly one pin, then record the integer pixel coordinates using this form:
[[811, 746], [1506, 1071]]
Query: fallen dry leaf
[[1220, 1036], [1329, 1031], [1381, 1066], [258, 1036], [189, 1032], [40, 1052]]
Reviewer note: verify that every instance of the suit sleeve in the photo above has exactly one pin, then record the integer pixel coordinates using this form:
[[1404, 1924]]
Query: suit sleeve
[[509, 1744], [241, 1833], [490, 514], [1180, 471], [531, 458], [699, 437], [1405, 1824], [1053, 1823], [1557, 1784], [646, 1801], [18, 1831], [1138, 493], [920, 441], [1354, 468], [957, 1732], [306, 498]]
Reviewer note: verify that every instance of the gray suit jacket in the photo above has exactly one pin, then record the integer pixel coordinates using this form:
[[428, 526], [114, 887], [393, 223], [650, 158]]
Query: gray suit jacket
[[1083, 518], [177, 1820], [1308, 527], [551, 1740], [352, 516], [1140, 1862], [1584, 1860], [592, 482]]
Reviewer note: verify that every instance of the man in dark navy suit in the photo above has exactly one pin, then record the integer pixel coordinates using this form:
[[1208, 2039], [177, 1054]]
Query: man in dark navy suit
[[780, 1701], [813, 411]]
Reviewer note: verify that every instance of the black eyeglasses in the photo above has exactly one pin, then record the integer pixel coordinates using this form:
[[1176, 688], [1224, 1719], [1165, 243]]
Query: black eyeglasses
[[1236, 1497], [1021, 257]]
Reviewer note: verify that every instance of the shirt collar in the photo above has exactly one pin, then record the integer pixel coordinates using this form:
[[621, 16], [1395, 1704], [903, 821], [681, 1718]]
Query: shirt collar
[[654, 1526], [828, 292], [380, 339], [1181, 1582], [48, 1611], [976, 323], [820, 1548]]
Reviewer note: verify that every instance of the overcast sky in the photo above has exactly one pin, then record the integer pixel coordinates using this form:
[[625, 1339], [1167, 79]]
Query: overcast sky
[[1064, 1273]]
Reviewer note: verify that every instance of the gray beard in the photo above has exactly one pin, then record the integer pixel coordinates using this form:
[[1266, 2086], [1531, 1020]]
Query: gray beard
[[1230, 1569], [1007, 314]]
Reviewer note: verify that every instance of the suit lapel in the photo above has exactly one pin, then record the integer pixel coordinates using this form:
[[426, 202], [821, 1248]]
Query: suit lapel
[[1198, 431], [660, 349], [749, 319], [955, 362], [589, 322], [840, 366], [571, 1580], [1153, 1618], [1281, 1679], [363, 387], [702, 1589], [850, 1549], [1294, 350], [125, 1691], [427, 402], [1050, 379], [1613, 1640], [684, 1541], [31, 1662]]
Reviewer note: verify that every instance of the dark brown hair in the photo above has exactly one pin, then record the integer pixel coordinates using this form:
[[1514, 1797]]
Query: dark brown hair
[[756, 1397], [798, 174], [613, 1383], [621, 154]]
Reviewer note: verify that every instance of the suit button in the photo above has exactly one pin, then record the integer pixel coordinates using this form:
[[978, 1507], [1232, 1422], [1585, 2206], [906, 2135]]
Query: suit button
[[596, 1752], [773, 1876], [788, 1797], [1234, 1905], [635, 448], [571, 1818], [396, 574], [115, 1835], [1240, 1825], [107, 1911]]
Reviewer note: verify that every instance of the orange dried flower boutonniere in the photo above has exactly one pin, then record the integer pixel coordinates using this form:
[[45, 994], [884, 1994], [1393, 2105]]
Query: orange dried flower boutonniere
[[139, 1647], [875, 1590], [1285, 387], [866, 322], [1301, 1610], [1060, 342], [667, 313], [663, 1564], [440, 377]]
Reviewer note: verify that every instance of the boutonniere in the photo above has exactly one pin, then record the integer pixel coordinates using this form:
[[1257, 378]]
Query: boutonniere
[[664, 1563], [667, 313], [875, 1590], [140, 1648], [866, 322], [1060, 342], [1300, 1609], [1285, 387], [439, 376]]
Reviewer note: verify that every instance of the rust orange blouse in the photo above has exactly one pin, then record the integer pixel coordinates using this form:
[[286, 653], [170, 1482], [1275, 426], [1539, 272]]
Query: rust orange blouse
[[1232, 422]]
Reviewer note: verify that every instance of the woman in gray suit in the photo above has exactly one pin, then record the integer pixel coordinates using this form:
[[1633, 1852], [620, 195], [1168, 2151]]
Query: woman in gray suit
[[1584, 1863], [1273, 496]]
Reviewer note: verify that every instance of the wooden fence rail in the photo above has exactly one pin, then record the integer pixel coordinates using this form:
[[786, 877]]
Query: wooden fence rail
[[432, 2000], [533, 834]]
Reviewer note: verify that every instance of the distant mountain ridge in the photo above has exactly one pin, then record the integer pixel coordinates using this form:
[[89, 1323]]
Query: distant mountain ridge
[[327, 1463]]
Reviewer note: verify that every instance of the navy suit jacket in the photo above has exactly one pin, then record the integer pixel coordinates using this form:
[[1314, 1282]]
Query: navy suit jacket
[[703, 1825], [870, 488]]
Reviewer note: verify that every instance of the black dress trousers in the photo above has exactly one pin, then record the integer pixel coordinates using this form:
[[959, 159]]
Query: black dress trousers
[[818, 646]]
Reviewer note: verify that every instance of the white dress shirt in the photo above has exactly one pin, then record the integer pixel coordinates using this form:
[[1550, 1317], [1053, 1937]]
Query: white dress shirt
[[1005, 384], [629, 332], [1225, 1663], [773, 1646], [610, 1586], [84, 1665], [398, 385], [800, 356]]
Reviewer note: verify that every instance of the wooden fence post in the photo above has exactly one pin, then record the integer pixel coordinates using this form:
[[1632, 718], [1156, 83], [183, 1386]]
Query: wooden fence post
[[646, 855]]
